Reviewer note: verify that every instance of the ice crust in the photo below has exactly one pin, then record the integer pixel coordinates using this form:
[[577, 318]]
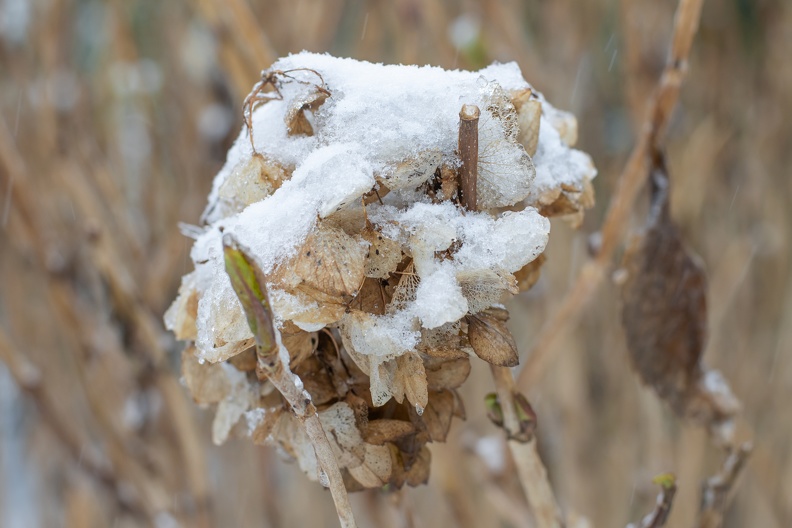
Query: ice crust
[[392, 126]]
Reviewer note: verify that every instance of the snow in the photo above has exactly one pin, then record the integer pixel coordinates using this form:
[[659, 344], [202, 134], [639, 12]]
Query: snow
[[388, 128]]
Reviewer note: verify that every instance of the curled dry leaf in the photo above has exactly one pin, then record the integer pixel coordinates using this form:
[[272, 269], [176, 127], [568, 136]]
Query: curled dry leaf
[[308, 100], [665, 315], [491, 340]]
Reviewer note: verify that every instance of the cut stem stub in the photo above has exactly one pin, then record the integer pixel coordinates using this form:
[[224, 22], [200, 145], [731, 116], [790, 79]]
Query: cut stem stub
[[468, 153]]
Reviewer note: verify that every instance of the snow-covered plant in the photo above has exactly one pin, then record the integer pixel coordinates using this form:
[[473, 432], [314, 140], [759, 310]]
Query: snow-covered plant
[[344, 214]]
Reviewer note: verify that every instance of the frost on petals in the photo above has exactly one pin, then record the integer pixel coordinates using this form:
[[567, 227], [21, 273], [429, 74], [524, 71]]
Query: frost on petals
[[343, 187]]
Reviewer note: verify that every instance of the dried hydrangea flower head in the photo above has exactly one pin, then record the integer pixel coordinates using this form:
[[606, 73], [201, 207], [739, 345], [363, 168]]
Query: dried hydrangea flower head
[[344, 189]]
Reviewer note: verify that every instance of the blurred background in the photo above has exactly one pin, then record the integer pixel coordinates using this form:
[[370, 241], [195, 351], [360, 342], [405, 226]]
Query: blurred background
[[116, 115]]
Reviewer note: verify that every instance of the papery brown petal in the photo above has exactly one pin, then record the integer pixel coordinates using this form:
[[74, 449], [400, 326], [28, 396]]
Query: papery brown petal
[[484, 287], [449, 182], [329, 266], [180, 317], [261, 434], [447, 374], [419, 470], [251, 181], [376, 468], [411, 378], [317, 380], [491, 340], [459, 406], [373, 297], [405, 289], [300, 345], [413, 171], [245, 361], [207, 383], [529, 114], [383, 256], [665, 311], [529, 274], [438, 415], [378, 432]]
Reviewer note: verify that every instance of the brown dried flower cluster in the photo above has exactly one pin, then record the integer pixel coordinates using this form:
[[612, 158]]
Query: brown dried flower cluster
[[390, 286]]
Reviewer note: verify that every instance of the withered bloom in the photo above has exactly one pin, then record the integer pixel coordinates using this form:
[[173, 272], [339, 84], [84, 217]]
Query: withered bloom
[[344, 191]]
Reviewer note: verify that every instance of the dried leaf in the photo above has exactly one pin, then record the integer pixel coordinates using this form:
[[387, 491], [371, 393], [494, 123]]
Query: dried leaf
[[491, 340], [665, 309]]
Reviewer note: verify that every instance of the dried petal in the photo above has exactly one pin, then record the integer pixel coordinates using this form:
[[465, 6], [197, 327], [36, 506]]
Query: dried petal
[[529, 116], [413, 171], [491, 340], [208, 383], [378, 432], [180, 317]]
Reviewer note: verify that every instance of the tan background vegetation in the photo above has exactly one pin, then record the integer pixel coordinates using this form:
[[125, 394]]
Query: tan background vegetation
[[115, 116]]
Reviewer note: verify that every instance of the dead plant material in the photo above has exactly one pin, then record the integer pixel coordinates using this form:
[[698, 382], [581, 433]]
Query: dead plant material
[[491, 340], [717, 490], [273, 80], [665, 319], [468, 153], [658, 517]]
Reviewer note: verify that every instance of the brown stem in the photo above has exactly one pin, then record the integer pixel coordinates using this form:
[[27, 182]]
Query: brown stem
[[630, 182], [289, 385], [468, 152], [717, 489], [530, 470]]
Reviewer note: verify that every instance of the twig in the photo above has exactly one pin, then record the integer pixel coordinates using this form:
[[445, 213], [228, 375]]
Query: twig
[[665, 499], [468, 153], [530, 470], [273, 364], [716, 491], [630, 182]]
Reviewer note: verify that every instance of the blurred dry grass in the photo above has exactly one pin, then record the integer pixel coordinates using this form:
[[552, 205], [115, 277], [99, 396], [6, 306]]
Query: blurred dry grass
[[115, 116]]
